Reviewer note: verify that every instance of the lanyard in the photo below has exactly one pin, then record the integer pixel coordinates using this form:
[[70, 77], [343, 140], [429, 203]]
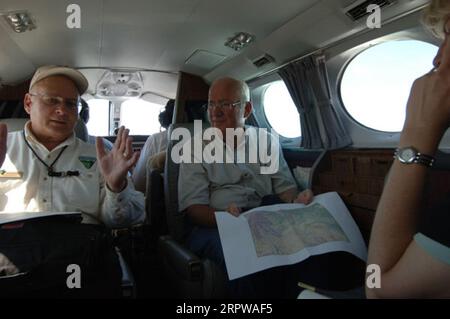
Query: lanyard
[[50, 170]]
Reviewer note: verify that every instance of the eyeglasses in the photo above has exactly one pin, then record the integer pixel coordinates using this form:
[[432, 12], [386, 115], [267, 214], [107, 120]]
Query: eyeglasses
[[53, 101], [223, 105]]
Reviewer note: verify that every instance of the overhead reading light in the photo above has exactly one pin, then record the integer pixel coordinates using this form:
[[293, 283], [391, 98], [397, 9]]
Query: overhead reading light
[[20, 21], [239, 41], [120, 84]]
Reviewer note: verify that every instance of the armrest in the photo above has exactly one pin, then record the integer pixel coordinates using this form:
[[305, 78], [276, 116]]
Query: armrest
[[154, 195], [185, 263]]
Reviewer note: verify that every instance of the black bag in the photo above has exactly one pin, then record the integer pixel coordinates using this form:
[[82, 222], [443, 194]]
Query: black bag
[[43, 248]]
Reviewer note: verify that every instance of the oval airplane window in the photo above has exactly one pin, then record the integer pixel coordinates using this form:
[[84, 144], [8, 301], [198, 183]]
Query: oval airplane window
[[376, 84], [98, 123], [281, 111], [140, 117]]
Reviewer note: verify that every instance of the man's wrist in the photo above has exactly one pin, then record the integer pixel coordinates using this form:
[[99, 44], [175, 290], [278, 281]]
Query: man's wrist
[[118, 189]]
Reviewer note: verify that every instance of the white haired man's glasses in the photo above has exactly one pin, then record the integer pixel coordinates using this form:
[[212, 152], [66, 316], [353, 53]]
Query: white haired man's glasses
[[223, 104]]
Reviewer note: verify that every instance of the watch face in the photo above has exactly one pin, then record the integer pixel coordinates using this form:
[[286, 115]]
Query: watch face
[[407, 155]]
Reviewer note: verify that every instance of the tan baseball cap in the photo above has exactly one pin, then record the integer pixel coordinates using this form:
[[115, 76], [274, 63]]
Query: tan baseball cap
[[48, 70]]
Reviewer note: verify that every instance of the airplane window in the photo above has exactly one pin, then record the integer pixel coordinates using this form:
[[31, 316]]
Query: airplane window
[[141, 117], [98, 124], [281, 111], [376, 84]]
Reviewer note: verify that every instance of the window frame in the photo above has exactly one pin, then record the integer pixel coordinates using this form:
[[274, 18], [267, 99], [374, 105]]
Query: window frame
[[343, 69], [258, 89], [266, 87]]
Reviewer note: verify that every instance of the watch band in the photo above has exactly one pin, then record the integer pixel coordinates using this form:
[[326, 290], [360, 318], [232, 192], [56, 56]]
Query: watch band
[[424, 159]]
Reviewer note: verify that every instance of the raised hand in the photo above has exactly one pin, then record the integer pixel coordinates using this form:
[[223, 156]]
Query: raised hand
[[428, 110], [3, 139], [116, 164]]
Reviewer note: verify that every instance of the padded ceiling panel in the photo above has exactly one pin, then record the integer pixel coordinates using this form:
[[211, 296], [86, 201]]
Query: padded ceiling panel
[[162, 34]]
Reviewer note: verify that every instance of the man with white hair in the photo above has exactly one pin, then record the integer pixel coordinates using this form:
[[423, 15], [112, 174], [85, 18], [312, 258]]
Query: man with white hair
[[205, 188]]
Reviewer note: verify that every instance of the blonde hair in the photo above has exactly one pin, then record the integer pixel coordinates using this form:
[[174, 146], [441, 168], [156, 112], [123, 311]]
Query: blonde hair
[[435, 16]]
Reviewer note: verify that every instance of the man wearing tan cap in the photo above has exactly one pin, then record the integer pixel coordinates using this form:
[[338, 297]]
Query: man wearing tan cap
[[45, 168]]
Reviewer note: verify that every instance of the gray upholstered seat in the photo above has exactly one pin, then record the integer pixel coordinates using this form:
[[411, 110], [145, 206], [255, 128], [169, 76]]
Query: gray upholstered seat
[[17, 124], [191, 276]]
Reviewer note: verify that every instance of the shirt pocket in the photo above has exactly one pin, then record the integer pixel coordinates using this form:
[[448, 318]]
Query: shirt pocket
[[224, 174], [82, 193]]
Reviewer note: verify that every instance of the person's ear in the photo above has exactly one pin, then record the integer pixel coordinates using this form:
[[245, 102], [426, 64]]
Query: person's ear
[[27, 103], [248, 109]]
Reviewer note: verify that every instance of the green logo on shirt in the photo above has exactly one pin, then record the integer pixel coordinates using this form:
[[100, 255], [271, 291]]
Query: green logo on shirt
[[87, 162]]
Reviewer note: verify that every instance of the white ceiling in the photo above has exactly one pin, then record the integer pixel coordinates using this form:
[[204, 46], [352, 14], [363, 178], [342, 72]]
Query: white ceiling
[[162, 34]]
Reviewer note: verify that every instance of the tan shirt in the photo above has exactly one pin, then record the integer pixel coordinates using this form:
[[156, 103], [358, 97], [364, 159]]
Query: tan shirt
[[220, 184], [35, 191]]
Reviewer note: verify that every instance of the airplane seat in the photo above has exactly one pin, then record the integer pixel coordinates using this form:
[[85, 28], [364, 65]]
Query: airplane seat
[[190, 275], [154, 203], [154, 182], [14, 124], [17, 124], [196, 110], [81, 131], [303, 164]]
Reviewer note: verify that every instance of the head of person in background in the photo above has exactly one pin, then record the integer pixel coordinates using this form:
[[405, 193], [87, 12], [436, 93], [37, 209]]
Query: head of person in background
[[84, 112], [196, 110], [436, 16], [165, 117], [153, 152]]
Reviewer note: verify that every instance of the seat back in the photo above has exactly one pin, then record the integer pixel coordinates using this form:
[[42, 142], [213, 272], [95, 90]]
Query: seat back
[[14, 124], [81, 131], [17, 124], [161, 185], [155, 205], [175, 218], [12, 109], [303, 164]]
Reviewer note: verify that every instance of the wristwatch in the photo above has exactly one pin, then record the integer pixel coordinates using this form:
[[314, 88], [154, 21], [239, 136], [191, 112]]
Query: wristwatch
[[410, 155]]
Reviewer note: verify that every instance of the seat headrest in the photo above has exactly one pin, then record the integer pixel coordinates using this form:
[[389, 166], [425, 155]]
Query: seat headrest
[[81, 131], [14, 124], [17, 124]]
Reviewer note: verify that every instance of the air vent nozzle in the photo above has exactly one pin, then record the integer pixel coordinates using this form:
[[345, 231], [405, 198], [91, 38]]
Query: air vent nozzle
[[264, 60]]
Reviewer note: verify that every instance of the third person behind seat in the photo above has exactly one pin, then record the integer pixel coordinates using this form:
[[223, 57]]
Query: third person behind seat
[[154, 148]]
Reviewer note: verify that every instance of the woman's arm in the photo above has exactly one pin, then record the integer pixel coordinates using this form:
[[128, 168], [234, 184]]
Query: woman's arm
[[406, 269]]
